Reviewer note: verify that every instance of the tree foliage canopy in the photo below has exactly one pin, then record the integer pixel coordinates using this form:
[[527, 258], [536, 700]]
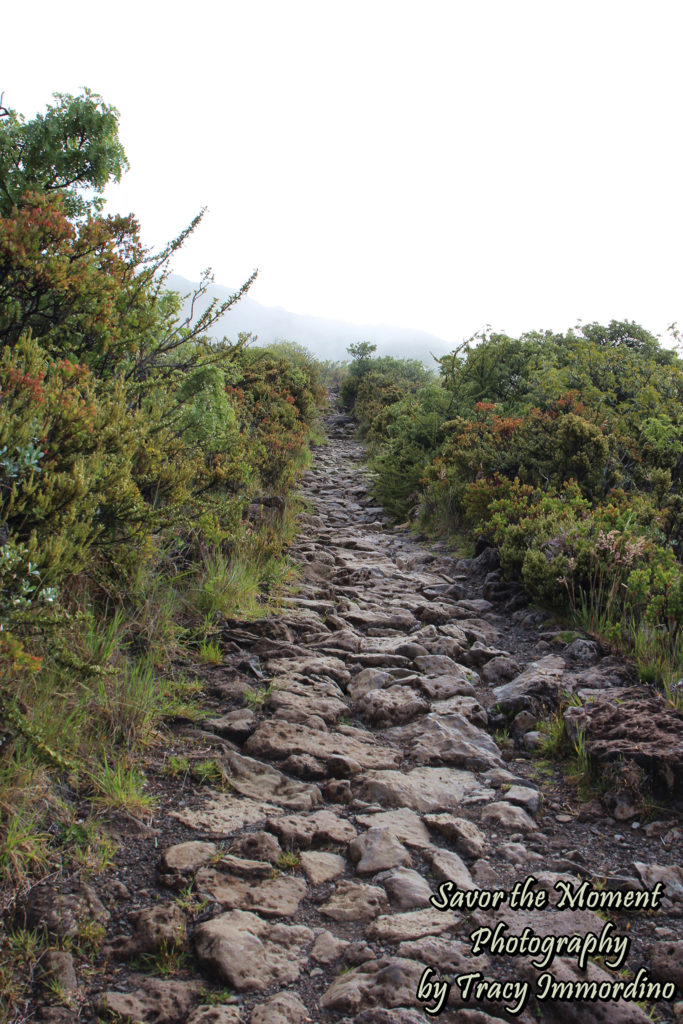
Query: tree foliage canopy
[[72, 149]]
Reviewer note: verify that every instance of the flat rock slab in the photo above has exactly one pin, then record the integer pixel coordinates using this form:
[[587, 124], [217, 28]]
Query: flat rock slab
[[259, 846], [382, 983], [666, 961], [224, 814], [381, 659], [296, 707], [391, 705], [508, 816], [355, 901], [440, 688], [526, 797], [301, 831], [638, 728], [303, 686], [381, 1016], [448, 739], [367, 619], [152, 1000], [263, 782], [438, 665], [236, 725], [405, 824], [244, 867], [479, 629], [327, 947], [424, 789], [468, 707], [208, 1014], [411, 925], [341, 640], [542, 922], [500, 670], [322, 867], [436, 612], [62, 913], [454, 632], [279, 740], [368, 679], [155, 928], [449, 955], [284, 1008], [314, 665], [250, 954], [272, 897], [185, 858]]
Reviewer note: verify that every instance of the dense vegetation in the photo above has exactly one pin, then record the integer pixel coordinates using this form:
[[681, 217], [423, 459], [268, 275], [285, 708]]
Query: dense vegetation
[[145, 486], [563, 450]]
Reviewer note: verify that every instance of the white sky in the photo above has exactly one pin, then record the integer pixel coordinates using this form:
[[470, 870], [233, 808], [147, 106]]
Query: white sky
[[439, 164]]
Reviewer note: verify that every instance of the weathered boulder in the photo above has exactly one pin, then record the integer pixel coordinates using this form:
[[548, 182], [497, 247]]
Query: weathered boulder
[[448, 739], [378, 849], [283, 1008], [424, 789], [250, 954], [355, 901], [541, 680], [381, 983], [466, 836], [407, 889]]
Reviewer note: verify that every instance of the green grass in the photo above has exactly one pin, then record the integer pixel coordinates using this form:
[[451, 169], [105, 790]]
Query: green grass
[[570, 752], [210, 653], [121, 786], [20, 950], [216, 997], [255, 699], [176, 767], [85, 844], [555, 741], [659, 660], [190, 903], [209, 773], [27, 808], [289, 861], [168, 960]]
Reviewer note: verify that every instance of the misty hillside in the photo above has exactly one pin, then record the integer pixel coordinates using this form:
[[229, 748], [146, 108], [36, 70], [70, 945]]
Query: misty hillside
[[326, 339]]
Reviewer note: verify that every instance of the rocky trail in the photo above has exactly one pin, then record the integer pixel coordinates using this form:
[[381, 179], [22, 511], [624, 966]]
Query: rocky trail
[[371, 744]]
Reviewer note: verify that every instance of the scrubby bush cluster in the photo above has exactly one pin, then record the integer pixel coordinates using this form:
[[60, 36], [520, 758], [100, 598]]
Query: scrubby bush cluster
[[563, 450], [145, 471]]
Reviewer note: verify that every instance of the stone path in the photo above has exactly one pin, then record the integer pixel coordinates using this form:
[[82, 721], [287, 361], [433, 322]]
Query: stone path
[[362, 779]]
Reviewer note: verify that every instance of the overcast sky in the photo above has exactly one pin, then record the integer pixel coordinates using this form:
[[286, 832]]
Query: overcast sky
[[438, 165]]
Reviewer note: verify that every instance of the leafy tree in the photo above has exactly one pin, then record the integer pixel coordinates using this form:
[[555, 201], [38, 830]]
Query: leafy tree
[[72, 149], [361, 352]]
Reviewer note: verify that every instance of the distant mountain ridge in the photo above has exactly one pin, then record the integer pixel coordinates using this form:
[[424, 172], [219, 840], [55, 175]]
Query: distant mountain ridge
[[324, 338]]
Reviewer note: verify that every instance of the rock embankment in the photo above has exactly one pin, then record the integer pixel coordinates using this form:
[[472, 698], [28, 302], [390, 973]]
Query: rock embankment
[[376, 741]]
